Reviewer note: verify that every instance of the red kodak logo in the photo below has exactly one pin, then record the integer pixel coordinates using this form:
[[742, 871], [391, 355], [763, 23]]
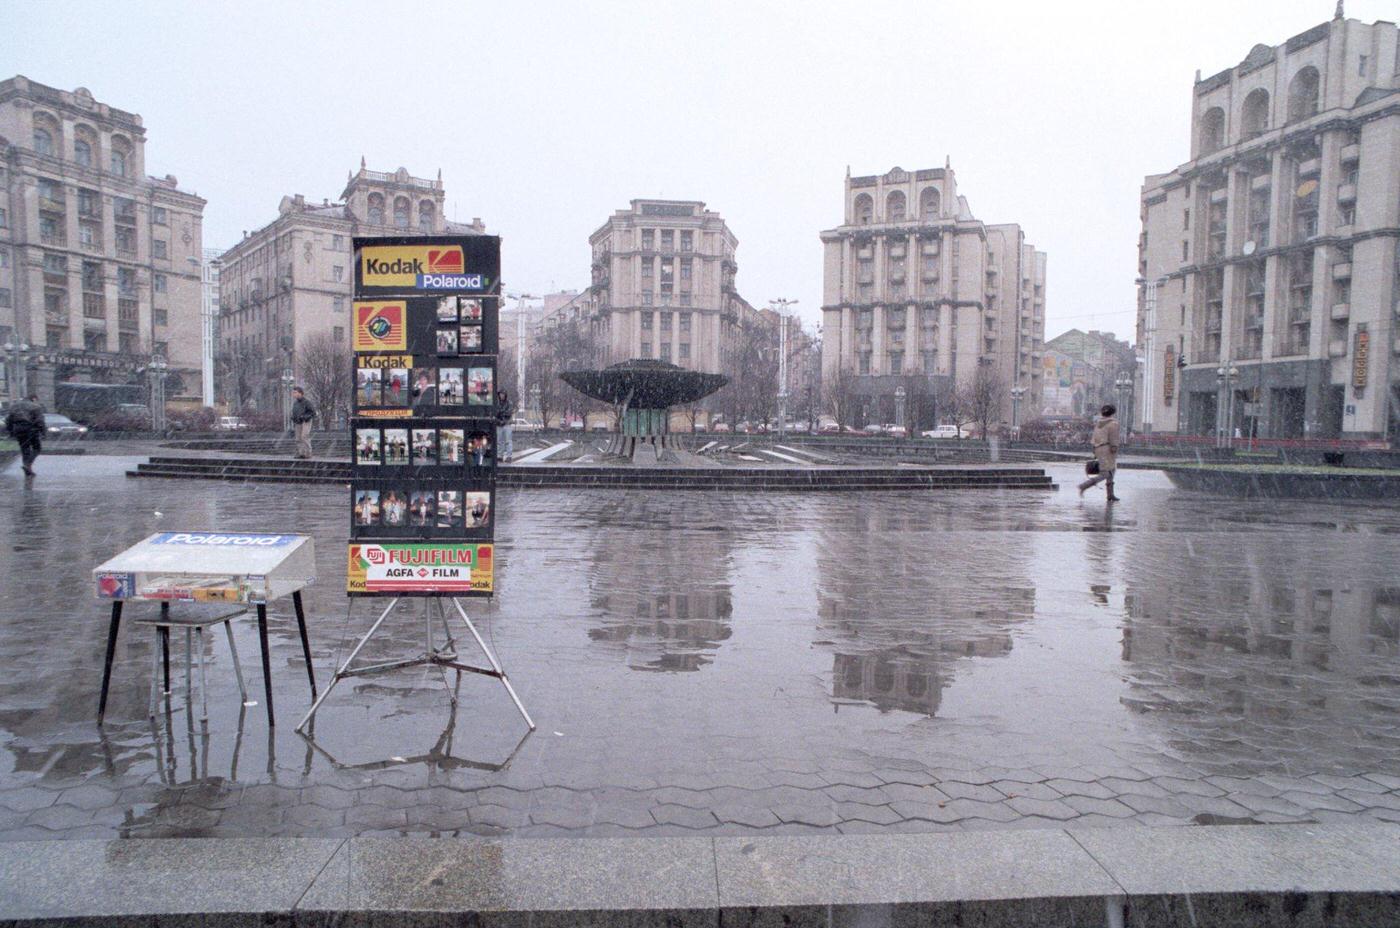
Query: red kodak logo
[[444, 260]]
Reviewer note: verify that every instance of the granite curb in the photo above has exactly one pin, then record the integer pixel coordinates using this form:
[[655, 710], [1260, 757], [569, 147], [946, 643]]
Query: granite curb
[[1240, 875]]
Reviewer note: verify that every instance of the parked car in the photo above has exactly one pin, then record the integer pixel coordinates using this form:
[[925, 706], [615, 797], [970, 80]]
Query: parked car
[[600, 427], [519, 423], [575, 425], [720, 427], [230, 424], [896, 431], [59, 426], [874, 428], [946, 431]]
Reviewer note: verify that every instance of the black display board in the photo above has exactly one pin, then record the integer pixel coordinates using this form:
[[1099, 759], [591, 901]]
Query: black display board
[[423, 431]]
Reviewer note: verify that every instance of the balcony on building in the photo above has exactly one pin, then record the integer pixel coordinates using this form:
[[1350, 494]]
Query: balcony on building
[[1337, 348], [1260, 182], [1346, 193], [1341, 271], [1351, 153], [1341, 311], [1310, 167], [1219, 195]]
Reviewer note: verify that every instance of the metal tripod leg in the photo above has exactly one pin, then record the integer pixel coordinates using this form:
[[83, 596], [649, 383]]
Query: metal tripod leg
[[346, 666], [494, 664]]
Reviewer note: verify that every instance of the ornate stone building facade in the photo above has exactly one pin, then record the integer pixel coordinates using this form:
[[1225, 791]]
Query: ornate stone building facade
[[663, 285], [291, 280], [918, 294], [1268, 301], [99, 264]]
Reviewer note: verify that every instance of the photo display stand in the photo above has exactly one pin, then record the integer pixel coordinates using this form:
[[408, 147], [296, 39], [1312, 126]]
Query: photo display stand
[[423, 438]]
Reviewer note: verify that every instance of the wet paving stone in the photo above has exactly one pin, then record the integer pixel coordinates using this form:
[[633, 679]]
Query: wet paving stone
[[745, 663]]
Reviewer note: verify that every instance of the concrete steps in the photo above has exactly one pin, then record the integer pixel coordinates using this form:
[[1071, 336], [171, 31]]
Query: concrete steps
[[271, 470]]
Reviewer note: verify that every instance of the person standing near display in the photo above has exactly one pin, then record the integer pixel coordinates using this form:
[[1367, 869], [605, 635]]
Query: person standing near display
[[504, 411], [303, 414], [25, 424]]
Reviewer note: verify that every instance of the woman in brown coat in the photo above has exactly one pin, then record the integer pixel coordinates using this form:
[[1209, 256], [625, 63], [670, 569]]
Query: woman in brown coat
[[1105, 442]]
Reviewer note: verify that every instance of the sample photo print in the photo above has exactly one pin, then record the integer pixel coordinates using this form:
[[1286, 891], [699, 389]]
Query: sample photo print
[[367, 446], [396, 386], [449, 509], [420, 508], [470, 340], [450, 386], [367, 507], [451, 446], [479, 449], [446, 341], [471, 310], [396, 446], [424, 391], [424, 447], [447, 309], [479, 387], [367, 382], [394, 508], [478, 505]]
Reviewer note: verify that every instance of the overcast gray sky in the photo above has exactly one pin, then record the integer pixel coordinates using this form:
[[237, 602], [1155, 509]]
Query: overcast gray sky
[[546, 117]]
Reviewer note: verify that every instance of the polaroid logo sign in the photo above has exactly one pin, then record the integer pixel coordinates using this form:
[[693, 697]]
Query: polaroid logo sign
[[221, 541], [421, 267]]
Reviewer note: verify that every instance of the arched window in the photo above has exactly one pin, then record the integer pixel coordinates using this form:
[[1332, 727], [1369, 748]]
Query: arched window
[[1212, 130], [864, 210], [894, 207], [84, 146], [43, 141], [401, 212], [121, 152], [1302, 94], [426, 212], [930, 203], [1254, 119], [376, 209]]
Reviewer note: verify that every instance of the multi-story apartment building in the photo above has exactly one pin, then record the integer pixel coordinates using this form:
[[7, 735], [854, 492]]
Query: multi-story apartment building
[[663, 285], [1084, 370], [291, 280], [918, 294], [99, 264], [1268, 300]]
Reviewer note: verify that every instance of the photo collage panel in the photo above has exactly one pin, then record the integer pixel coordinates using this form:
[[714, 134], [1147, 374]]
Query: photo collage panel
[[377, 387], [426, 446], [459, 326], [435, 507]]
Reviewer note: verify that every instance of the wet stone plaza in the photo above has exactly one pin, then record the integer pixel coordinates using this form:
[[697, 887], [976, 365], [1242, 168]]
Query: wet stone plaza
[[734, 664]]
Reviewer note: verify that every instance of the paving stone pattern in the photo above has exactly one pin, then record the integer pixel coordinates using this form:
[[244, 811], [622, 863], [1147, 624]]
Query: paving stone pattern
[[731, 664]]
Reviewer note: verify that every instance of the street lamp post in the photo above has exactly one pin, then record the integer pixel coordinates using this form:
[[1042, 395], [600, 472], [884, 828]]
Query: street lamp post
[[16, 352], [899, 396], [780, 306], [1225, 376], [1017, 394], [287, 380], [156, 371], [1124, 383]]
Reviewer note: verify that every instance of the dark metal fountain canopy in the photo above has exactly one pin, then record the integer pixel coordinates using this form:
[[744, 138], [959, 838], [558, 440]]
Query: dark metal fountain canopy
[[645, 384]]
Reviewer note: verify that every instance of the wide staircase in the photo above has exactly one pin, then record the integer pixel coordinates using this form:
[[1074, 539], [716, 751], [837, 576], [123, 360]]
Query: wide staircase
[[281, 470]]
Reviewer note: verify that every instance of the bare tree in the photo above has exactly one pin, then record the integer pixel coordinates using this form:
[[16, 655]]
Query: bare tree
[[840, 396], [541, 379], [325, 369], [752, 392], [237, 366], [986, 396]]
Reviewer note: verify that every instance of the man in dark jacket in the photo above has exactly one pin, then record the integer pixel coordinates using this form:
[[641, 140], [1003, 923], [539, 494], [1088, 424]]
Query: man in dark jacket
[[25, 424], [303, 414], [504, 441]]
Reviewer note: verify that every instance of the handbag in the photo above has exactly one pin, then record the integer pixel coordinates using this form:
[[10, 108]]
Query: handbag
[[1091, 467]]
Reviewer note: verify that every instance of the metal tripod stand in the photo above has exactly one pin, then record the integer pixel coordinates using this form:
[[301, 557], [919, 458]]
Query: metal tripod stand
[[432, 655]]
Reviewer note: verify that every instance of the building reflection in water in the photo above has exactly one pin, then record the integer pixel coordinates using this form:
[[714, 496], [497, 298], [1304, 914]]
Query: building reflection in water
[[902, 602], [654, 607], [1244, 671]]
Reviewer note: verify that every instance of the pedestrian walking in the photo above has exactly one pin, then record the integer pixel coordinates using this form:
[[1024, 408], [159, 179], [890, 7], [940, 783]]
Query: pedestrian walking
[[1105, 442], [505, 447], [303, 414], [25, 424]]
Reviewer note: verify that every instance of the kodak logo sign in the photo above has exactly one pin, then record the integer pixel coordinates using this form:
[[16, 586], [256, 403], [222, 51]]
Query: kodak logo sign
[[417, 267], [380, 327]]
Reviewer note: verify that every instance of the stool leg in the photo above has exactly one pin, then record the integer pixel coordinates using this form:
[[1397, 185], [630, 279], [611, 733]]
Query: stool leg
[[189, 670], [305, 645], [154, 706], [266, 660], [237, 668], [111, 652], [203, 683], [165, 654]]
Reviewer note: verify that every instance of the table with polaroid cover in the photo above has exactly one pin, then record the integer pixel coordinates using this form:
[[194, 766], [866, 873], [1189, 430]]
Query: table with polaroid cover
[[174, 568]]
